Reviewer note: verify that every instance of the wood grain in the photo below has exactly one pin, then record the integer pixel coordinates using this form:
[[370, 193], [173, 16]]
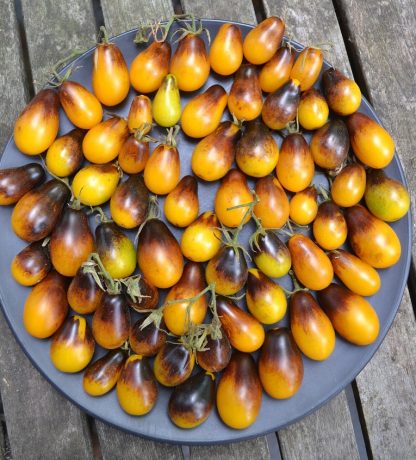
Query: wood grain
[[231, 10], [246, 450]]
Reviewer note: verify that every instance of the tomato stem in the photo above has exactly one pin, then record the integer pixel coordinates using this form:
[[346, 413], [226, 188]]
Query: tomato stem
[[103, 35], [95, 267]]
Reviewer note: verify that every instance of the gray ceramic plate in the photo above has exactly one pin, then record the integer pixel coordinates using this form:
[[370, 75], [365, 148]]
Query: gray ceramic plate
[[322, 381]]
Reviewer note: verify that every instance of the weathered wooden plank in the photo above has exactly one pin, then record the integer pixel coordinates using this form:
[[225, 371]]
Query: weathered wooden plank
[[231, 10], [246, 450]]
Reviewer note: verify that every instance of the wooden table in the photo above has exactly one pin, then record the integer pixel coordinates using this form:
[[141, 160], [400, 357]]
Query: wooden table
[[375, 417]]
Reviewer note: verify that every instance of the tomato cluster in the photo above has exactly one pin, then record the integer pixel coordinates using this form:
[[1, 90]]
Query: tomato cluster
[[73, 270]]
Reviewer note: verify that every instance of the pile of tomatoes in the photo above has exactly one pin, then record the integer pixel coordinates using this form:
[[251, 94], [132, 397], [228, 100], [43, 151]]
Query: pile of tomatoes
[[75, 273]]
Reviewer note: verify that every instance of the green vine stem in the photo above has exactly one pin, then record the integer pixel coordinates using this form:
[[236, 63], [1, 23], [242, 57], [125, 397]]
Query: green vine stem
[[140, 134], [153, 212], [190, 28], [297, 287], [104, 280], [103, 37]]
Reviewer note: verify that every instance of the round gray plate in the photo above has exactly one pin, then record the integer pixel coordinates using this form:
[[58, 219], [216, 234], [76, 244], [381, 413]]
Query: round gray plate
[[322, 381]]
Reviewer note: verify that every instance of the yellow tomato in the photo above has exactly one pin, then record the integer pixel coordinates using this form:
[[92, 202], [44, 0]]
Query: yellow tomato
[[313, 110], [182, 205], [166, 107], [307, 67], [64, 156], [162, 170], [303, 206], [226, 53], [140, 114], [348, 187]]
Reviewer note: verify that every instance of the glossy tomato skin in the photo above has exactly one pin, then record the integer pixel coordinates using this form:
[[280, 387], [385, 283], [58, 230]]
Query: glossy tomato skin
[[228, 270], [64, 157], [280, 364], [213, 156], [257, 152], [179, 316], [82, 108], [149, 299], [182, 205], [245, 99], [191, 403], [295, 168], [371, 143], [37, 212], [202, 239], [73, 345], [273, 208], [173, 364], [329, 227], [166, 108], [244, 332], [342, 93], [352, 316], [140, 114], [159, 255], [31, 264], [303, 206], [110, 75], [37, 125], [202, 114], [133, 155], [311, 328], [262, 42], [348, 187], [310, 264], [16, 182], [162, 170], [239, 392], [190, 63], [84, 294], [150, 67], [149, 340], [313, 110], [271, 255], [276, 72], [46, 306], [111, 321], [307, 67], [372, 240], [226, 52], [129, 203], [357, 275], [217, 354], [101, 376], [136, 387]]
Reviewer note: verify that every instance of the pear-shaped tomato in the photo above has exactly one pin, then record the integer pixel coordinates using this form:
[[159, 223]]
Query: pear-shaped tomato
[[46, 306], [266, 300], [182, 204], [348, 187], [202, 239], [116, 251], [311, 328], [191, 402], [280, 364], [140, 114], [101, 376], [111, 321], [257, 152], [148, 298], [64, 157], [37, 212], [110, 75], [244, 332], [310, 264], [357, 275], [273, 207], [371, 143], [313, 110], [239, 392], [129, 203], [37, 126], [307, 67], [190, 63], [276, 72], [31, 264], [213, 156], [72, 345], [150, 67], [281, 107], [93, 185], [303, 206], [16, 182], [233, 191], [173, 364], [228, 270], [216, 355], [202, 114], [271, 255], [179, 315], [352, 316], [263, 41], [82, 108], [385, 197], [245, 100], [226, 53], [136, 386], [84, 294], [71, 242], [295, 168], [372, 240], [342, 93], [159, 254], [134, 153], [166, 107], [329, 227], [149, 340]]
